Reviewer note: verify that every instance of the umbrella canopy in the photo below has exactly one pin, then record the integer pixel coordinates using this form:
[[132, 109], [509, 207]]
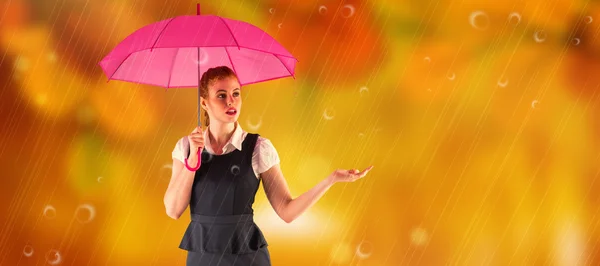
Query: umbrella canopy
[[174, 53]]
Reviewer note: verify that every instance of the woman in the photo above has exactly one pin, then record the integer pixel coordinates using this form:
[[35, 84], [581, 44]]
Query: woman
[[221, 192]]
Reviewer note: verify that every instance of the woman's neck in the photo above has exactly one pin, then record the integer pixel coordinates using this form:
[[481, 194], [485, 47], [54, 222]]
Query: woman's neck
[[220, 133]]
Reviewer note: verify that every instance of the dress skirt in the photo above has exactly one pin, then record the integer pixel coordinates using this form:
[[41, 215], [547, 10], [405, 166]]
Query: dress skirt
[[224, 241]]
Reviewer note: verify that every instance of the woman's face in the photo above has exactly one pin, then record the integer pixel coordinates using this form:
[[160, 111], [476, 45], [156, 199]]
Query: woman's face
[[223, 95]]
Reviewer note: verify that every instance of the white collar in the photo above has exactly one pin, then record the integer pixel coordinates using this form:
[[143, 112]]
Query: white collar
[[235, 140]]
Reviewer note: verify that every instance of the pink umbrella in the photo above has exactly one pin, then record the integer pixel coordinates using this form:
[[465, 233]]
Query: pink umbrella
[[173, 53]]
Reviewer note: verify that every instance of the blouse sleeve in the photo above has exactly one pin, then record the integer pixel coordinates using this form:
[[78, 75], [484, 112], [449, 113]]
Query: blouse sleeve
[[267, 155], [181, 146]]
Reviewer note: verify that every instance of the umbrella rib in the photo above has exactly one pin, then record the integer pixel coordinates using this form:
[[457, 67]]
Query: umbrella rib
[[120, 64], [230, 32], [172, 67], [286, 68], [229, 56], [158, 37]]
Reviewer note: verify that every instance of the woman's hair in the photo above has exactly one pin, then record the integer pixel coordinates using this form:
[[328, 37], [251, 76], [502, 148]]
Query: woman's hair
[[211, 75]]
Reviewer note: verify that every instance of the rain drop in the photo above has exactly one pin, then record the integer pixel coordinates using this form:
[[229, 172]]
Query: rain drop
[[329, 114], [534, 103], [203, 57], [427, 59], [49, 212], [502, 83], [254, 126], [364, 250], [363, 89], [235, 170], [53, 257], [361, 135], [100, 179], [539, 36], [348, 11], [85, 213], [451, 76], [588, 19], [479, 20], [206, 156], [271, 10], [279, 25], [28, 251], [576, 41], [322, 10], [514, 16]]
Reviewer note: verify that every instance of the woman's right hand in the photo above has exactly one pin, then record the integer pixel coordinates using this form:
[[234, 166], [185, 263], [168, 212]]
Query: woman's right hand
[[196, 140]]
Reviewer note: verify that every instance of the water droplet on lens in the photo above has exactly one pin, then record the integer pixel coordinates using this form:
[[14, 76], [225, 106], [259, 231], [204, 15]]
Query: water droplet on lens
[[235, 170], [514, 18], [539, 36], [502, 83], [49, 212], [85, 213], [100, 179], [348, 11], [576, 41], [203, 57], [329, 114], [206, 157], [451, 76], [588, 19], [254, 123], [479, 20], [28, 251], [322, 10], [53, 257], [271, 10], [534, 103], [364, 250], [363, 89]]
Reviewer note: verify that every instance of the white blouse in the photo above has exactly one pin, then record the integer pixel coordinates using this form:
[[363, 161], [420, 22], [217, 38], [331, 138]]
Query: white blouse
[[263, 157]]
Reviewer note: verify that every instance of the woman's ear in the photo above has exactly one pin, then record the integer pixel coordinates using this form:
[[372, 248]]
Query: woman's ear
[[203, 103]]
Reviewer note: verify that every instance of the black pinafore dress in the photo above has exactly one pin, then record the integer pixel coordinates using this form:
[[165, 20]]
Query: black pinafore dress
[[222, 229]]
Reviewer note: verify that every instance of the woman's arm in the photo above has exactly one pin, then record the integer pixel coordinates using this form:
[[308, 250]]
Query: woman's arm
[[278, 192], [177, 197]]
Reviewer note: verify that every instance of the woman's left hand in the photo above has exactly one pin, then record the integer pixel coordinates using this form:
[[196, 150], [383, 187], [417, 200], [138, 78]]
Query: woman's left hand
[[341, 175]]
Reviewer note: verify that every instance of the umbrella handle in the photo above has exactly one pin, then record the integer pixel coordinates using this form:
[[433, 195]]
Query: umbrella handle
[[197, 165]]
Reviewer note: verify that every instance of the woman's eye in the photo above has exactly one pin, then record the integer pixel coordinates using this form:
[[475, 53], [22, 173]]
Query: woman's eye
[[236, 94]]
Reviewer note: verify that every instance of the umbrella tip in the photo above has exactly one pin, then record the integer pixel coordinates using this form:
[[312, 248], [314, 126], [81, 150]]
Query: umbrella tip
[[198, 9]]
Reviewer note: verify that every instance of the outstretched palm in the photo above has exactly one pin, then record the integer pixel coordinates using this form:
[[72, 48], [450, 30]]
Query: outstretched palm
[[341, 175]]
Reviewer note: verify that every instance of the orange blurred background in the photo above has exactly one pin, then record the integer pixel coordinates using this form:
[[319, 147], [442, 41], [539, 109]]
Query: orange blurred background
[[481, 118]]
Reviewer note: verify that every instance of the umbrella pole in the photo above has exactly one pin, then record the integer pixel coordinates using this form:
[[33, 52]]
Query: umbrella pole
[[200, 125]]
